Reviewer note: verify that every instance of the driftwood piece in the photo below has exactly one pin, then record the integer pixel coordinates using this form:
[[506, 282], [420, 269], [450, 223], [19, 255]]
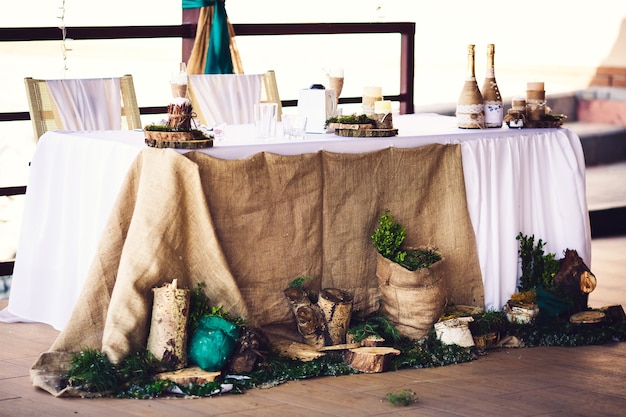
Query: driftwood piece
[[370, 359], [295, 350], [167, 340], [189, 376], [574, 281], [343, 346], [309, 318], [336, 306]]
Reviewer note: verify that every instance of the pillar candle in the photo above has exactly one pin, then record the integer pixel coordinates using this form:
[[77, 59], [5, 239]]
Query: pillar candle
[[382, 106]]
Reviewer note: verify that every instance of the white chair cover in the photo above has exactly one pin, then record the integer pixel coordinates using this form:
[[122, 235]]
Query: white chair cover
[[88, 104], [228, 98]]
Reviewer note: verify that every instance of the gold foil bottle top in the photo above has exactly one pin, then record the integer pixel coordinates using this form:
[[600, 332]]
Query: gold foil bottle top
[[471, 75]]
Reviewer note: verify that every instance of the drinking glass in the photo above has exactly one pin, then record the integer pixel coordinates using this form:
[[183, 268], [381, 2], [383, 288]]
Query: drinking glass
[[265, 115], [294, 126]]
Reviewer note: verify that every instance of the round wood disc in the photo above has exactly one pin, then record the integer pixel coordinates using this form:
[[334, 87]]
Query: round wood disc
[[366, 133], [587, 317], [182, 144]]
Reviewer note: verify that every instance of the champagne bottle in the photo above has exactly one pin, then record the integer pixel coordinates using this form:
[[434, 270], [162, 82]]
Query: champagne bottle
[[494, 109], [470, 108]]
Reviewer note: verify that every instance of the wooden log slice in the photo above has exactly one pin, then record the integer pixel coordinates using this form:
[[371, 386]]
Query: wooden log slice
[[189, 376], [184, 144], [370, 359], [587, 317], [366, 133]]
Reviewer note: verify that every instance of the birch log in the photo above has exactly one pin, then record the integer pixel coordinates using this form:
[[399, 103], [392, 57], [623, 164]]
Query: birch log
[[309, 318], [167, 340], [336, 306]]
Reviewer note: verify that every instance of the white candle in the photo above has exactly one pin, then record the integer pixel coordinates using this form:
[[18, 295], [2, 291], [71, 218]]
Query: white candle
[[382, 106], [179, 101], [373, 92], [370, 96], [535, 86]]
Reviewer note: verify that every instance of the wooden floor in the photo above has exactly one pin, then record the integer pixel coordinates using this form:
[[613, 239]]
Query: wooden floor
[[544, 381]]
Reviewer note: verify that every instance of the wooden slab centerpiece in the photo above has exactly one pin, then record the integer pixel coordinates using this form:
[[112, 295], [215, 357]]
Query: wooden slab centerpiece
[[378, 125], [178, 132]]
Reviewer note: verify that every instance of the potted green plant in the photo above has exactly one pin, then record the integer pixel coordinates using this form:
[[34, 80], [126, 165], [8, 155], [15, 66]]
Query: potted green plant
[[538, 272], [411, 281], [487, 328]]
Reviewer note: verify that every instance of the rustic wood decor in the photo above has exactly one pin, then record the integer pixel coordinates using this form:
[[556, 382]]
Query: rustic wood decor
[[309, 318], [167, 340], [193, 139], [367, 133], [574, 280], [324, 323], [297, 351], [370, 359], [336, 306], [189, 376]]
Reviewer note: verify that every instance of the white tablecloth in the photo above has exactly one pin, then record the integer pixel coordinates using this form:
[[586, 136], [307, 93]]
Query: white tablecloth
[[530, 181]]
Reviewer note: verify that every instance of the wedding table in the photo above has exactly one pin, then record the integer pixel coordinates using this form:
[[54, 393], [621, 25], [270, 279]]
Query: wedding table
[[529, 180]]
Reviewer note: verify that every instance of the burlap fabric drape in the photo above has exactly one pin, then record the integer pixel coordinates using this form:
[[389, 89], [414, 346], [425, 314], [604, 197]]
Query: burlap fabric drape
[[197, 59], [248, 227]]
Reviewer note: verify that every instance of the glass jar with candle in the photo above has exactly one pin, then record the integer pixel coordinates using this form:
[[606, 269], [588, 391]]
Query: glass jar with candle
[[370, 96], [382, 114], [535, 101]]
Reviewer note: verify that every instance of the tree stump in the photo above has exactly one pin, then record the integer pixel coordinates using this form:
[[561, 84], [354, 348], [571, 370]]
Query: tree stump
[[370, 359], [574, 281], [167, 340], [336, 306]]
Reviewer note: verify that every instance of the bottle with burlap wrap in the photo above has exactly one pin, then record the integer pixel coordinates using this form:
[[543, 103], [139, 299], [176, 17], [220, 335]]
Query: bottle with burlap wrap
[[493, 106], [469, 108]]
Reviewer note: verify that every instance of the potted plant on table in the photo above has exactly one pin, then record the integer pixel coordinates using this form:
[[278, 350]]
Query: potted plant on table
[[410, 279]]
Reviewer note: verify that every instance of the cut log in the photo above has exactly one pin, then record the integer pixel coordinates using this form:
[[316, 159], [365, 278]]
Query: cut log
[[189, 376], [370, 359], [167, 340], [336, 306], [311, 326], [574, 281], [309, 318]]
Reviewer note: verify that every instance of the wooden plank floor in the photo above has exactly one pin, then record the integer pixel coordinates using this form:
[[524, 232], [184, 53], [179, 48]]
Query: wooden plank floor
[[543, 381]]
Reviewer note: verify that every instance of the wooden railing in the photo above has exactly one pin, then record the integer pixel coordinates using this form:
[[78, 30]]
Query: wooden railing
[[187, 32]]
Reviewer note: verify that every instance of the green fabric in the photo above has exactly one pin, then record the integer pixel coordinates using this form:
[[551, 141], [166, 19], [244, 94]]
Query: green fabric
[[219, 60], [195, 4], [213, 343], [549, 304]]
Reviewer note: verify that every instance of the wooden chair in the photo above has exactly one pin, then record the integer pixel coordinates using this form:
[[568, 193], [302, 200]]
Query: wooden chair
[[269, 93], [230, 98], [45, 115]]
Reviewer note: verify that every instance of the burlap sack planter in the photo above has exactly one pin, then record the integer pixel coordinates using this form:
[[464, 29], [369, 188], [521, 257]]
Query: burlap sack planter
[[411, 300]]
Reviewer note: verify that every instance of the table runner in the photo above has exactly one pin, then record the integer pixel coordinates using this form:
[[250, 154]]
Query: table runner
[[246, 228]]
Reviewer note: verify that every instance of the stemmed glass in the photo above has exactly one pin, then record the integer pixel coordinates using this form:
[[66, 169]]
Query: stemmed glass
[[178, 81], [335, 81]]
